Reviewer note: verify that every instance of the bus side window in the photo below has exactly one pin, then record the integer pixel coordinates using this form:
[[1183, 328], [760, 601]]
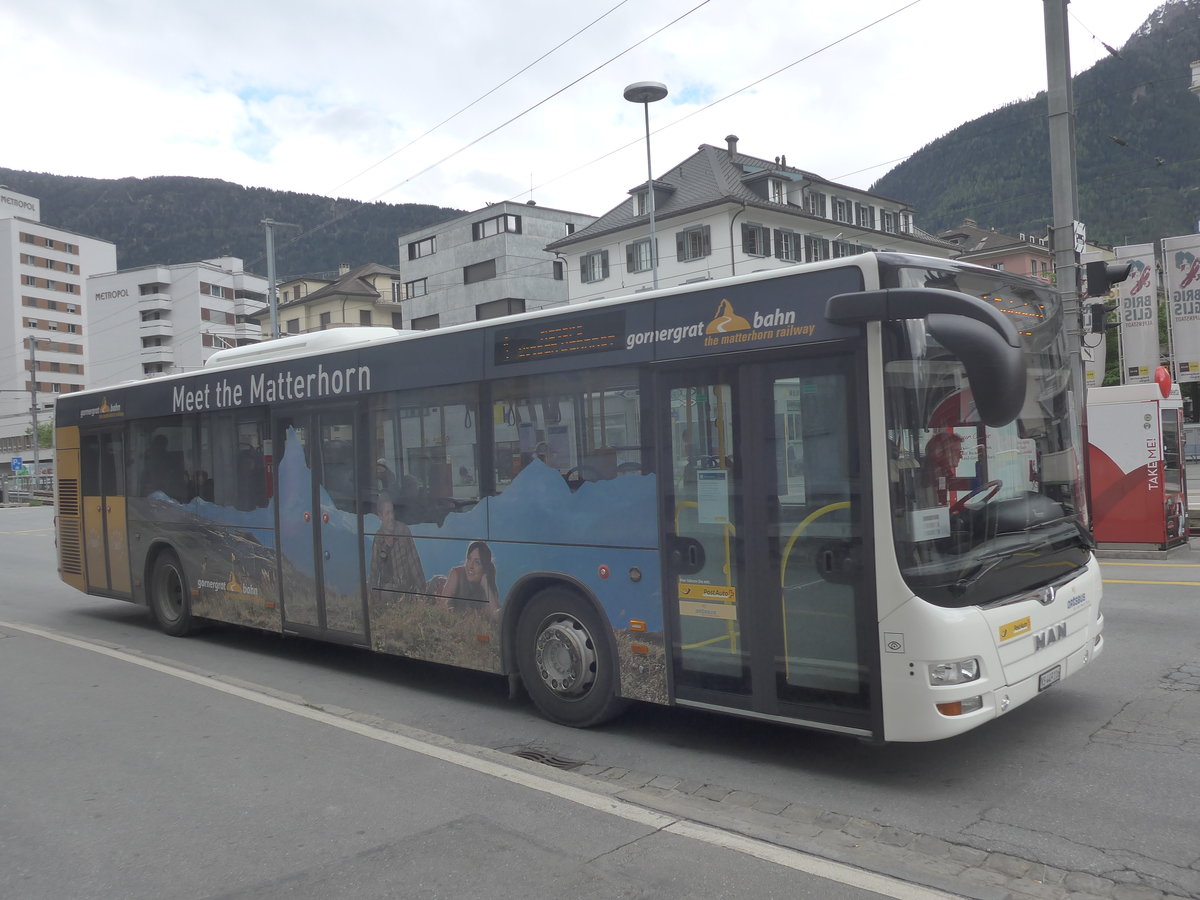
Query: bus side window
[[586, 426], [425, 452]]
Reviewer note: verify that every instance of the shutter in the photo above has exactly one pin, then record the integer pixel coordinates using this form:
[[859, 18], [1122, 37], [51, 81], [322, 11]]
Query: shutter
[[747, 246], [629, 257], [680, 247], [707, 240], [765, 249], [603, 264], [778, 244]]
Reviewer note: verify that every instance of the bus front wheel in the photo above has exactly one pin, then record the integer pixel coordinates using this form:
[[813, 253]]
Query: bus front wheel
[[566, 660], [169, 598]]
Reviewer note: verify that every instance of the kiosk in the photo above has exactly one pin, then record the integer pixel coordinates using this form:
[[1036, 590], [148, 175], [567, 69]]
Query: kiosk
[[1136, 481]]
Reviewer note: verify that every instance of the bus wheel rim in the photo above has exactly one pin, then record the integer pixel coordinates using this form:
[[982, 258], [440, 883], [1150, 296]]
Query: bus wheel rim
[[565, 656]]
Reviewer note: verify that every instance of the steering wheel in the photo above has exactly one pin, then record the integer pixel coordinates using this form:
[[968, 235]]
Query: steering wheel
[[978, 498], [582, 474]]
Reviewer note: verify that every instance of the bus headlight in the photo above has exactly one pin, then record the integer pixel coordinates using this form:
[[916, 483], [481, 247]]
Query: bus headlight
[[958, 672]]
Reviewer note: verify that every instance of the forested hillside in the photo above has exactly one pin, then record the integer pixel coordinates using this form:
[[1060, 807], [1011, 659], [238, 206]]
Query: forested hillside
[[170, 220], [1137, 146]]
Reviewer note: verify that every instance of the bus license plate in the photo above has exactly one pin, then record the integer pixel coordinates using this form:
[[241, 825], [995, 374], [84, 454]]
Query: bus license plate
[[1048, 677]]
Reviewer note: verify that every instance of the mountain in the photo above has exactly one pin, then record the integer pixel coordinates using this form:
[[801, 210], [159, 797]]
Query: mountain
[[170, 220], [1137, 135]]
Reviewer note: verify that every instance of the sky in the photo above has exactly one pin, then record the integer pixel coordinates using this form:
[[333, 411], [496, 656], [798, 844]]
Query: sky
[[463, 103]]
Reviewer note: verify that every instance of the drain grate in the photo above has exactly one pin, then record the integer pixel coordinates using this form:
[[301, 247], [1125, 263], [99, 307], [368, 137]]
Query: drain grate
[[547, 759]]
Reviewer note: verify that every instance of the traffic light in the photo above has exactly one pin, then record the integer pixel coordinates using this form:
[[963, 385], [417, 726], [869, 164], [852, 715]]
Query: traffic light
[[1101, 276]]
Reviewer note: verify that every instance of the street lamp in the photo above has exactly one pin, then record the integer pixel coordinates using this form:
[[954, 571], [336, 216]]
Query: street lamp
[[645, 93]]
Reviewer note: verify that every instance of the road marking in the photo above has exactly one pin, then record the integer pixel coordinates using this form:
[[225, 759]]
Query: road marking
[[709, 834], [1156, 565], [1135, 581]]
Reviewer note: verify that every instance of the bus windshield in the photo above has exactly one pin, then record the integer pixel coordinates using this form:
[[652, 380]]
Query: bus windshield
[[981, 514]]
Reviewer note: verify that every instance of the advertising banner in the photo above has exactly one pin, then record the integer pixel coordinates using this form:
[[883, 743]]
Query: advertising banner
[[1181, 270], [1138, 315]]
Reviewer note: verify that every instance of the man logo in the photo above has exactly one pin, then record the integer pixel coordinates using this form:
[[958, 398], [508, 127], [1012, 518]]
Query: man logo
[[1050, 636]]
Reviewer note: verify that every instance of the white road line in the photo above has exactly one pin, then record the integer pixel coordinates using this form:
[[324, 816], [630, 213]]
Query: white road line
[[764, 850]]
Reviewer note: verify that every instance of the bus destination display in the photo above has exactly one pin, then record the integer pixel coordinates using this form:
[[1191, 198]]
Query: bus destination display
[[550, 339]]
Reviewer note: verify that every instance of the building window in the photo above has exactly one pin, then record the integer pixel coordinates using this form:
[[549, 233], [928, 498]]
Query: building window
[[397, 290], [846, 248], [420, 248], [785, 245], [999, 267], [480, 271], [693, 243], [641, 203], [293, 326], [756, 239], [864, 215], [426, 323], [815, 248], [906, 223], [415, 288], [593, 266], [888, 221], [364, 317], [637, 256], [326, 320], [558, 270], [776, 191], [495, 225], [494, 309], [841, 210]]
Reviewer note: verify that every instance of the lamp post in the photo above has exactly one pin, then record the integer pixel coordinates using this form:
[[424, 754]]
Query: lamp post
[[645, 93]]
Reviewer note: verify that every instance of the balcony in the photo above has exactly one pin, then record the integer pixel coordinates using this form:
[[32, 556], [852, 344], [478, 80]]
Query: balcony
[[152, 302], [150, 355], [156, 328]]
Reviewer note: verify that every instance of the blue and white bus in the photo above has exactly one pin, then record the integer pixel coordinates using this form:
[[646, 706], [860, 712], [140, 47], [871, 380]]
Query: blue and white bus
[[845, 495]]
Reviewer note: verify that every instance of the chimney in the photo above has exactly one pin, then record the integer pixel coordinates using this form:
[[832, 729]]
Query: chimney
[[731, 140], [343, 268]]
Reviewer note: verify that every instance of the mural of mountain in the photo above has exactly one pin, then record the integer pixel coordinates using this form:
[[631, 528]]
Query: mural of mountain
[[1137, 134]]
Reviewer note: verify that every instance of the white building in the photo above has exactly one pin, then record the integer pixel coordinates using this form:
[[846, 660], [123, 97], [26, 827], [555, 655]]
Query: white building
[[162, 319], [720, 213], [487, 263], [43, 272]]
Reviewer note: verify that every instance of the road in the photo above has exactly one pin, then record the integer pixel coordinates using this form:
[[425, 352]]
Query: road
[[326, 771]]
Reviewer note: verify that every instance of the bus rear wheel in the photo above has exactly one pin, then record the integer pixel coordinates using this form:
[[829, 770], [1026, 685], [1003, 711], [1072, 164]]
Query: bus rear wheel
[[566, 659], [170, 601]]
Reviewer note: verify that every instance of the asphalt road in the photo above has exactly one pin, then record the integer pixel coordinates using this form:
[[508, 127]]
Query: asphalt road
[[124, 777]]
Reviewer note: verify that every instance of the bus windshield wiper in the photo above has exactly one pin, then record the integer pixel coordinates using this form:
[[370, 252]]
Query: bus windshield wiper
[[986, 564]]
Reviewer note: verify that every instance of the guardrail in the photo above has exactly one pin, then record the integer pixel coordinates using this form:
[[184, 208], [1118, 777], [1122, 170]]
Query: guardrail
[[27, 489]]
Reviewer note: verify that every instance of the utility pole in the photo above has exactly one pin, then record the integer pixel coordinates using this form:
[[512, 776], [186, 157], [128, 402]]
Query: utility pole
[[37, 442], [272, 298], [1067, 236]]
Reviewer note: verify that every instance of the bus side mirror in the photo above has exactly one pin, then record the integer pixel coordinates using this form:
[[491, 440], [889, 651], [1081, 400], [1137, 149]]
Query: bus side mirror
[[978, 334]]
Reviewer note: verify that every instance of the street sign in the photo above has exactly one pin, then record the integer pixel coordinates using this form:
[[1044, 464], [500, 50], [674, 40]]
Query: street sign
[[17, 463]]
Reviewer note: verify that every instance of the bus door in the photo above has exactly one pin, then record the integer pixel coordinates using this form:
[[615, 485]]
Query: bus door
[[320, 523], [766, 574], [105, 533]]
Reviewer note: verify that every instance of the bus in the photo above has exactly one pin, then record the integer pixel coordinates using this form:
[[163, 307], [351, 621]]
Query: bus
[[845, 495]]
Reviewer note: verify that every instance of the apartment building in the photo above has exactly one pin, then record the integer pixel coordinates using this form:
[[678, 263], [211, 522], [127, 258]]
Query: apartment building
[[157, 320], [369, 294], [721, 212], [44, 315], [1022, 254], [487, 263]]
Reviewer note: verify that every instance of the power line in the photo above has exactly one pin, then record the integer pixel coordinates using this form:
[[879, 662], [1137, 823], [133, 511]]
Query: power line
[[483, 96]]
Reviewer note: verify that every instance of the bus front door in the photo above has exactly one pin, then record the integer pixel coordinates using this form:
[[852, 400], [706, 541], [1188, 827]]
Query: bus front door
[[105, 544], [320, 524], [765, 567]]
